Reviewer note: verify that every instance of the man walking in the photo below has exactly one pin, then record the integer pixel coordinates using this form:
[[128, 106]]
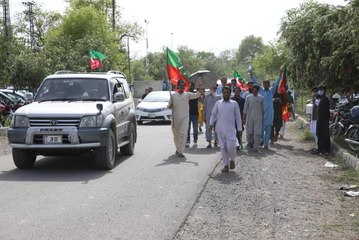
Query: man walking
[[253, 114], [267, 92], [208, 104], [179, 103], [193, 118], [240, 101], [226, 116]]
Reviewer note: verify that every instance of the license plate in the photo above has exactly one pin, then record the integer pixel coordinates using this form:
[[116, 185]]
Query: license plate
[[53, 139], [151, 115]]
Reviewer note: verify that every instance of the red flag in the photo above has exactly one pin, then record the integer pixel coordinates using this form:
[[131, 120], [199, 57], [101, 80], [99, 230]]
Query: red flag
[[175, 69], [242, 83], [282, 90], [96, 59]]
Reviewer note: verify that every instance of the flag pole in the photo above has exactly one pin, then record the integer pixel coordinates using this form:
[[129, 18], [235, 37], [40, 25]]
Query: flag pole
[[169, 89]]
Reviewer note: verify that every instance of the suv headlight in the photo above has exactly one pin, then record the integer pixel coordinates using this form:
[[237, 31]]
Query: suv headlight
[[91, 121], [20, 121]]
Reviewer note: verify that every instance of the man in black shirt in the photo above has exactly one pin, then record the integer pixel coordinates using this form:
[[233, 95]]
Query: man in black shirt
[[237, 97], [193, 118]]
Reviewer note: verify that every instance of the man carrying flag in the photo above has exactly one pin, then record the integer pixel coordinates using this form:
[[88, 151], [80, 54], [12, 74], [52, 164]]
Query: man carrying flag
[[282, 89], [96, 59], [179, 103]]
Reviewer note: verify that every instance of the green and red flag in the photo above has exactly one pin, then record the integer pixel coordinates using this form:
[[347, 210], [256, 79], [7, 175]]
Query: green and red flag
[[175, 69], [96, 59], [282, 89], [241, 81]]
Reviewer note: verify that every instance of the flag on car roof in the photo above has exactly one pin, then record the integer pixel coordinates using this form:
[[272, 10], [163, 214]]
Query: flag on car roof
[[282, 90], [96, 59], [175, 69]]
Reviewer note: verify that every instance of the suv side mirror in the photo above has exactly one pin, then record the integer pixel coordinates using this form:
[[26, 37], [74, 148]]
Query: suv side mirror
[[119, 97]]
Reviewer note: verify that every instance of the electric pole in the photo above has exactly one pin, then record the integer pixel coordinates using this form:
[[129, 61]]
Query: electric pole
[[147, 64], [6, 18], [30, 14], [113, 14]]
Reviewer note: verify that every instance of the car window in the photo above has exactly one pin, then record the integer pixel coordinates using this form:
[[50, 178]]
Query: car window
[[120, 88], [73, 89], [157, 97]]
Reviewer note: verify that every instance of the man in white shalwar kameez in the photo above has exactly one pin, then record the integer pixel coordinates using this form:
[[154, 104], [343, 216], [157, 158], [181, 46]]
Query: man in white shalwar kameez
[[226, 115], [253, 115], [179, 103]]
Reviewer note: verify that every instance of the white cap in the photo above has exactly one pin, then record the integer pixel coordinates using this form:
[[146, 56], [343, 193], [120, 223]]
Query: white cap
[[336, 95]]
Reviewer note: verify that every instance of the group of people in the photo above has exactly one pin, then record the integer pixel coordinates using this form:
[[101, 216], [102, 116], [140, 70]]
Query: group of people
[[227, 110]]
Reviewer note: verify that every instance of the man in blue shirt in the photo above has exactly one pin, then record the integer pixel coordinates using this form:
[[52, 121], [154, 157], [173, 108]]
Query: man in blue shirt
[[267, 92], [220, 87]]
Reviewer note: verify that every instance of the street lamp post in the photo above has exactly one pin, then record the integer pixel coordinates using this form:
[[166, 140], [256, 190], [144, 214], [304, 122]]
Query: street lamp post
[[147, 62], [128, 54], [129, 58]]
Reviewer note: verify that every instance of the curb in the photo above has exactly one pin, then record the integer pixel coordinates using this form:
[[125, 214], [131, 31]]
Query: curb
[[349, 159], [3, 131]]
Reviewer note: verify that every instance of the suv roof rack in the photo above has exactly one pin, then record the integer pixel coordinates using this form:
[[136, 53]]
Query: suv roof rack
[[115, 72], [63, 72]]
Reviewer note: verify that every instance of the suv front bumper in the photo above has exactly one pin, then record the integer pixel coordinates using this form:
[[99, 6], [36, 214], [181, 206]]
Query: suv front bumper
[[72, 137]]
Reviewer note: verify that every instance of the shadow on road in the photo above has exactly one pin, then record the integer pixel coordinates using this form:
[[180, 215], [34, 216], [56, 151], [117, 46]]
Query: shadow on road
[[60, 169], [228, 177], [174, 159]]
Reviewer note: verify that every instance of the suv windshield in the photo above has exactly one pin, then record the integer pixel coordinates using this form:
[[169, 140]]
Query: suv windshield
[[76, 89]]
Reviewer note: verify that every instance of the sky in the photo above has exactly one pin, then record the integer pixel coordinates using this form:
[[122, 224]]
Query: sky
[[201, 25]]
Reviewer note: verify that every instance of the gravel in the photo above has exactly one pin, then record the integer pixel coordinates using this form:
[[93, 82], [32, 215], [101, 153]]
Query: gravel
[[281, 193]]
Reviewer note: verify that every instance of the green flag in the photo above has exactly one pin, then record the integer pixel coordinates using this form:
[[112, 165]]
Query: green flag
[[96, 59]]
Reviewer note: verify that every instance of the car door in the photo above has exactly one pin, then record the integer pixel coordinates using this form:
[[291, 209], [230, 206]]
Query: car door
[[121, 110]]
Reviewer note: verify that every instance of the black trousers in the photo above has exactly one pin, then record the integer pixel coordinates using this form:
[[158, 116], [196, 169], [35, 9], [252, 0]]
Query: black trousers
[[323, 136]]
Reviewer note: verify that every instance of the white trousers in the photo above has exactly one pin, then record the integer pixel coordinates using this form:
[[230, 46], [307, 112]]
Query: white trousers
[[179, 130]]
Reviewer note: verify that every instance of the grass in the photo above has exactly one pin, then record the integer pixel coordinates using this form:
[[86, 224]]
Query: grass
[[307, 135]]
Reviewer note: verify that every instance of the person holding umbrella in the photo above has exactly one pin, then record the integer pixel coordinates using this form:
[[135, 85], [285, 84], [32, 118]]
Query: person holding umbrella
[[179, 103]]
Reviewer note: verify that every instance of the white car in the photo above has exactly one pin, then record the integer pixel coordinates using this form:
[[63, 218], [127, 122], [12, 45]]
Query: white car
[[154, 107]]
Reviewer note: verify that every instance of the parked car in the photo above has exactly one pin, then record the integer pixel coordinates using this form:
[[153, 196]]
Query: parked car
[[154, 107], [20, 98]]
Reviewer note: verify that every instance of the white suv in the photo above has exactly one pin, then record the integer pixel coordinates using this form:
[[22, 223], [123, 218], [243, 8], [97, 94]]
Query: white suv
[[73, 114]]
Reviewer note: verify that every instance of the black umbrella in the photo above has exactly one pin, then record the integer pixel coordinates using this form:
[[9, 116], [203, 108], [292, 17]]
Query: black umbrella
[[207, 78]]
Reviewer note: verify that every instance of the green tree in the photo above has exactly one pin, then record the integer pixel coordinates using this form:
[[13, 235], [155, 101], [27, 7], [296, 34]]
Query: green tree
[[248, 49], [268, 63], [327, 49], [83, 29]]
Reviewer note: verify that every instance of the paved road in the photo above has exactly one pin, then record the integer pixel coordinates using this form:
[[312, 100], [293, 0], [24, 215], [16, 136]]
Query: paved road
[[146, 196]]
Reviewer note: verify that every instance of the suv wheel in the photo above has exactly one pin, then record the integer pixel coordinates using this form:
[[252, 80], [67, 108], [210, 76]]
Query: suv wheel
[[23, 159], [129, 148], [105, 156]]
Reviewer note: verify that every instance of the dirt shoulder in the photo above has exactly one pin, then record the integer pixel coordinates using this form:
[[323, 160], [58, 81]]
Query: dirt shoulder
[[4, 146], [280, 193]]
